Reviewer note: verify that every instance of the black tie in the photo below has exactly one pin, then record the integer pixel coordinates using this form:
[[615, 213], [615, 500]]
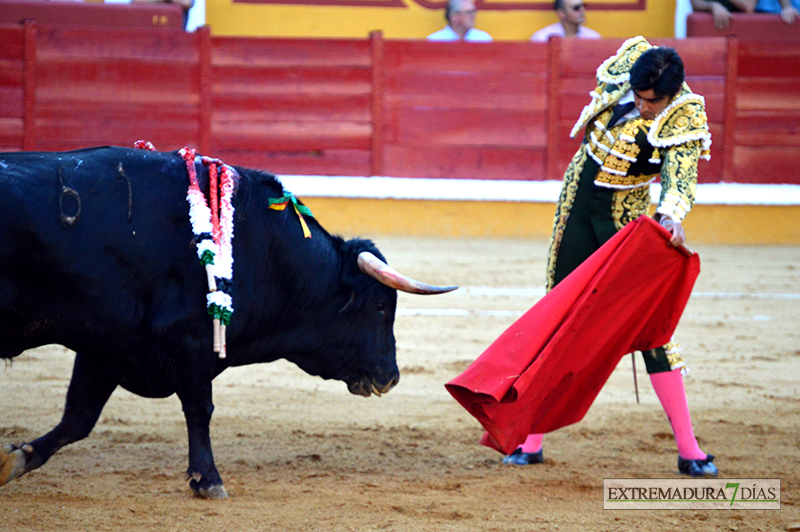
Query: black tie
[[620, 110]]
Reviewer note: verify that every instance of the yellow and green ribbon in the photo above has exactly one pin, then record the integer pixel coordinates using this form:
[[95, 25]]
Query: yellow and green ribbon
[[279, 204]]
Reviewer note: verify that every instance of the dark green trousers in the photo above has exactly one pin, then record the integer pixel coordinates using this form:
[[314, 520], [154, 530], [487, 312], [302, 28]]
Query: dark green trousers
[[589, 226]]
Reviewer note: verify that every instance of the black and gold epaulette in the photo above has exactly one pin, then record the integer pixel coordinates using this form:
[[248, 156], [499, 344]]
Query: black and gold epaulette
[[683, 120], [613, 78]]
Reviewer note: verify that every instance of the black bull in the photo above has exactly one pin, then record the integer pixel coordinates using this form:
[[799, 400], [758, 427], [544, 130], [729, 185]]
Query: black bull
[[97, 254]]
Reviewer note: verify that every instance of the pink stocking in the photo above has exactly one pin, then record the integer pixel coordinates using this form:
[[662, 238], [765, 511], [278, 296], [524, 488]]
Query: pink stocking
[[533, 443], [670, 391]]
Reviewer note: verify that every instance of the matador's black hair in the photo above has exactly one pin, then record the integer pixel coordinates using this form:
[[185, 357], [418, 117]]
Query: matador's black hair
[[660, 69]]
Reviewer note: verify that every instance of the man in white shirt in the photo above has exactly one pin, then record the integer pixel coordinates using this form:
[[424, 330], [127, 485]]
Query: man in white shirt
[[460, 15], [572, 15]]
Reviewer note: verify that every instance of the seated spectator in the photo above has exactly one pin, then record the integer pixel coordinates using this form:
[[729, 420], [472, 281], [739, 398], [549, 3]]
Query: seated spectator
[[721, 10], [788, 9], [460, 16], [572, 15]]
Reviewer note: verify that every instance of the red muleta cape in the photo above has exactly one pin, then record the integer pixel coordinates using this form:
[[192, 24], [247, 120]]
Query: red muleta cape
[[544, 371]]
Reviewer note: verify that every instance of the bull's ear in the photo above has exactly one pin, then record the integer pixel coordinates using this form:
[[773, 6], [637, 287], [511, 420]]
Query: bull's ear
[[350, 302]]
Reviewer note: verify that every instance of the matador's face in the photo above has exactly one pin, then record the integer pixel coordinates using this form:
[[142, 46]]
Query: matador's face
[[649, 103]]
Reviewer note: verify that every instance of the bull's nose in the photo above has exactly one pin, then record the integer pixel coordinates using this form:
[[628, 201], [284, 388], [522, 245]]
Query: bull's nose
[[379, 390]]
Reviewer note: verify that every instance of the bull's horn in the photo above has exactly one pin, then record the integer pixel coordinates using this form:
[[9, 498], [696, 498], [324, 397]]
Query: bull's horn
[[385, 274]]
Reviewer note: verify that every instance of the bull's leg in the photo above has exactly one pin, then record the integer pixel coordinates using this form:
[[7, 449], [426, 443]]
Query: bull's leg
[[197, 407], [88, 392]]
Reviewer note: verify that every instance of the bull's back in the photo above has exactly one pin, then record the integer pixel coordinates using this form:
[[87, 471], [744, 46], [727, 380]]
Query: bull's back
[[91, 240]]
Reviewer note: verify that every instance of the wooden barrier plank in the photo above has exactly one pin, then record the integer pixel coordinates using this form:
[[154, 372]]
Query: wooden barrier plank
[[290, 135], [11, 102], [204, 77], [123, 80], [768, 128], [465, 56], [12, 39], [299, 162], [758, 58], [780, 68], [731, 94], [260, 52], [11, 130], [116, 43], [523, 90], [768, 94], [466, 162], [308, 98], [765, 164], [30, 84], [11, 73], [299, 78], [112, 128], [554, 103], [316, 107], [12, 97], [487, 127], [377, 98]]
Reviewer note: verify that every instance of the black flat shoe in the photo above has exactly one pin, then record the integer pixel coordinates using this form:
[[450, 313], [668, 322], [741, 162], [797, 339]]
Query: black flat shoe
[[698, 468], [520, 458]]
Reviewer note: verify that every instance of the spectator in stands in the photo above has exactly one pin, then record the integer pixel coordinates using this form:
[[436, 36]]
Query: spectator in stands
[[460, 16], [788, 9], [721, 10], [572, 15]]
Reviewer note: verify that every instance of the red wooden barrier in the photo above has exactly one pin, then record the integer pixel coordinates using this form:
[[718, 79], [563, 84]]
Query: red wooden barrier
[[12, 87], [302, 105], [372, 106], [767, 113], [465, 110], [110, 85]]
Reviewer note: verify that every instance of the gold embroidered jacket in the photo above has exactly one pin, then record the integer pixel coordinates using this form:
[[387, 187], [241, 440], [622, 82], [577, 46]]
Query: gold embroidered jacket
[[634, 153]]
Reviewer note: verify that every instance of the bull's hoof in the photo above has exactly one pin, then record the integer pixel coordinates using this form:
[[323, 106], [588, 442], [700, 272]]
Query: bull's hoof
[[214, 491], [13, 461]]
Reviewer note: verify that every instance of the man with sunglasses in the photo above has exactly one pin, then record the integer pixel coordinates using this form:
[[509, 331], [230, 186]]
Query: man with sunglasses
[[460, 16], [642, 124], [572, 15]]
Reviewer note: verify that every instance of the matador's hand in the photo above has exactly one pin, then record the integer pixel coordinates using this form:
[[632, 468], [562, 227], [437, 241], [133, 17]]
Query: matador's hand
[[678, 234]]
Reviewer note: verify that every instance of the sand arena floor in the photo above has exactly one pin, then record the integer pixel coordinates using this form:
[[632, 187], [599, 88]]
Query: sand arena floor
[[301, 454]]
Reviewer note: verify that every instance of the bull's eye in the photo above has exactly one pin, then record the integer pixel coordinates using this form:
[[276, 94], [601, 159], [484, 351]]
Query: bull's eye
[[382, 307]]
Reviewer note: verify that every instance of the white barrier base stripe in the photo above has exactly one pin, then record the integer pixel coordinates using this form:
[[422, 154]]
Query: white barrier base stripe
[[413, 188], [461, 313], [491, 291]]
